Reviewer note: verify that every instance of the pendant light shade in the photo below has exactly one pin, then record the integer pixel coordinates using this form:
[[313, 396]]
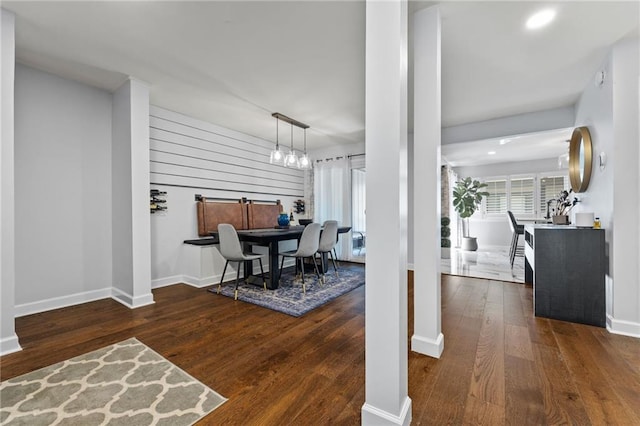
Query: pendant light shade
[[563, 159], [305, 161], [291, 160], [277, 156]]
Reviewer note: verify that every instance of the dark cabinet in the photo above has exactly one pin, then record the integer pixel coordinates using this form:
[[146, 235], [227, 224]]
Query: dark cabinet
[[566, 266]]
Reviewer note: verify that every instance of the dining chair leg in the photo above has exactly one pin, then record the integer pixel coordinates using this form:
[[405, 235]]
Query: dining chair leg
[[335, 254], [333, 260], [316, 266], [304, 287], [235, 297], [264, 282], [322, 265], [222, 277]]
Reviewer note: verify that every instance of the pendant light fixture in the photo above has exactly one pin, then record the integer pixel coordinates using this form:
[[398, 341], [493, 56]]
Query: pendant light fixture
[[277, 156], [305, 161], [563, 159], [291, 160]]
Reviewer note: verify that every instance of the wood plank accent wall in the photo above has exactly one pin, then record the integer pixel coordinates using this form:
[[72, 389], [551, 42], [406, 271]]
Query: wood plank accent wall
[[191, 153]]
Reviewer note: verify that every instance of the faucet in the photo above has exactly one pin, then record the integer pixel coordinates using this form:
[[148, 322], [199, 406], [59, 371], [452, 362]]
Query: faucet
[[548, 216]]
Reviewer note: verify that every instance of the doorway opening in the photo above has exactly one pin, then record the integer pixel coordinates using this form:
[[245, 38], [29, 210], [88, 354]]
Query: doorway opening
[[358, 219]]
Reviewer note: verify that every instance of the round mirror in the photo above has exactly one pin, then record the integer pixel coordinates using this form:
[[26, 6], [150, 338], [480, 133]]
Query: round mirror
[[580, 159]]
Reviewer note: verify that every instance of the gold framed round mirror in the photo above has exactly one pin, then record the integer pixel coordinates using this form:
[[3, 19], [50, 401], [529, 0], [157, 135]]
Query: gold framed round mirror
[[580, 159]]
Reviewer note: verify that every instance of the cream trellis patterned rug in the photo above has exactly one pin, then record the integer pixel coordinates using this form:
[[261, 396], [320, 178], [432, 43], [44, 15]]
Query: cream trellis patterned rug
[[122, 384]]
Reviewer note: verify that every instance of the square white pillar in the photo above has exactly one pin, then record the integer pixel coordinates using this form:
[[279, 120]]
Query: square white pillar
[[386, 368], [130, 207], [8, 338], [427, 337]]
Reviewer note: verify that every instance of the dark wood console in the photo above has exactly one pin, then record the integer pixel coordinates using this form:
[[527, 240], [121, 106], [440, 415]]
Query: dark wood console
[[566, 266]]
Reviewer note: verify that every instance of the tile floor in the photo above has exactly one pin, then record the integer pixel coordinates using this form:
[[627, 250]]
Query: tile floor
[[488, 262]]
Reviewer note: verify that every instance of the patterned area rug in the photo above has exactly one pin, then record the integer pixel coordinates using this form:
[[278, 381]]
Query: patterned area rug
[[288, 298], [122, 384]]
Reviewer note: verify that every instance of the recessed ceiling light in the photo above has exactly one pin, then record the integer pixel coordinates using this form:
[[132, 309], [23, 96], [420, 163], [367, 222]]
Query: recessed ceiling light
[[540, 19], [491, 153], [504, 141]]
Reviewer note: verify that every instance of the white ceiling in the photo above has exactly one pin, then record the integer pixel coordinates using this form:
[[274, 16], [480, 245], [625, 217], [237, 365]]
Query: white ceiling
[[530, 146], [234, 63]]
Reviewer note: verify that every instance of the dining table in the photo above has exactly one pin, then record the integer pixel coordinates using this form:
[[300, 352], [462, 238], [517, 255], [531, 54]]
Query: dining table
[[271, 237]]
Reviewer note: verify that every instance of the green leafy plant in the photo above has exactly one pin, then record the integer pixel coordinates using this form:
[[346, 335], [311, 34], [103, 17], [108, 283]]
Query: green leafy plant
[[467, 197]]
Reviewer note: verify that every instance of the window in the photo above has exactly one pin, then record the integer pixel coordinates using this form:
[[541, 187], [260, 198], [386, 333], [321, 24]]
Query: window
[[496, 202], [525, 195], [522, 196], [550, 187]]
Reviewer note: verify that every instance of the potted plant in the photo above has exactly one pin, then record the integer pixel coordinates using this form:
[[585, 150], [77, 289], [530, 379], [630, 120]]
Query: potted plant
[[467, 197], [445, 233], [563, 207]]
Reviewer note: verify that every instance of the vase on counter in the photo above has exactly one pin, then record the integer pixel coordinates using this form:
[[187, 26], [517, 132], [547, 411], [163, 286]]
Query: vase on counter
[[560, 219], [283, 219]]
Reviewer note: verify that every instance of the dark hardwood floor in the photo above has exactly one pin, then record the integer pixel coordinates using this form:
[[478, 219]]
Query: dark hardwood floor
[[500, 364]]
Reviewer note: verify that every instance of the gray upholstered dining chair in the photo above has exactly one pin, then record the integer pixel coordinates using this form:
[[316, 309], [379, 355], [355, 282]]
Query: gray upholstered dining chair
[[307, 247], [328, 241], [231, 250]]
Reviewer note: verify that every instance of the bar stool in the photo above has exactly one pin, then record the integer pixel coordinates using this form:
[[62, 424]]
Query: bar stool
[[516, 231]]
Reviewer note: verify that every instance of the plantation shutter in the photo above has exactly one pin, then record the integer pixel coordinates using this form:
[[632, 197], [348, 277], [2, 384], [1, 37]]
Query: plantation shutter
[[523, 196], [496, 202], [550, 188]]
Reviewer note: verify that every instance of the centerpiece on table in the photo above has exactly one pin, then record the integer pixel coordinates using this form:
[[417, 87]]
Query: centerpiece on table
[[467, 197], [283, 220]]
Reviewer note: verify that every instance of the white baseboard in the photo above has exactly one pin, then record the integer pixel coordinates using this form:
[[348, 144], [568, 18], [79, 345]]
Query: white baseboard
[[123, 297], [426, 346], [167, 281], [375, 416], [61, 302], [625, 328], [130, 301], [215, 279], [200, 282], [9, 345]]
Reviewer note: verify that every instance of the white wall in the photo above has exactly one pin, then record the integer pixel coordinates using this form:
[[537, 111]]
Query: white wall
[[63, 190], [625, 317], [337, 151], [611, 113]]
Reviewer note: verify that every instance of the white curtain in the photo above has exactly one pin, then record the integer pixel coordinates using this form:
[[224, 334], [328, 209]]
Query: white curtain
[[358, 199], [332, 199]]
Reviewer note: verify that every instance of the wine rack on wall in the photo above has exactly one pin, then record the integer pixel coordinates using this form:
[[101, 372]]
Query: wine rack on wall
[[157, 201]]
